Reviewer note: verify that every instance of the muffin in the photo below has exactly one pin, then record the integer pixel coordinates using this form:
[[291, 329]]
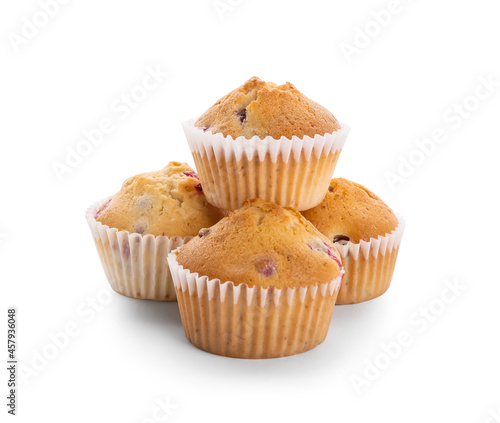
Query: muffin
[[367, 234], [261, 283], [267, 141], [263, 109], [136, 229]]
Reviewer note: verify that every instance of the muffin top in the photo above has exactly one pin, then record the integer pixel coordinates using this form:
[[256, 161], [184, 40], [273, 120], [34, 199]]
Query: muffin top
[[266, 109], [167, 202], [265, 245], [350, 212]]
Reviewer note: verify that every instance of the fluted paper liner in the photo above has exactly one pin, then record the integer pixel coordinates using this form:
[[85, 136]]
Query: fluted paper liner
[[252, 322], [369, 266], [292, 172], [135, 265]]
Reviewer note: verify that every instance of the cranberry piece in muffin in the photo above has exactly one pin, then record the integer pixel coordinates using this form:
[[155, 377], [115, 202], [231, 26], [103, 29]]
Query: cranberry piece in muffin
[[191, 174], [266, 266], [103, 207]]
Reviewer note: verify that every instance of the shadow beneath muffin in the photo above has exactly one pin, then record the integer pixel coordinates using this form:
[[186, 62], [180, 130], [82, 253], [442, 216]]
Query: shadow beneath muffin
[[348, 317], [157, 312], [329, 358], [159, 317], [162, 322]]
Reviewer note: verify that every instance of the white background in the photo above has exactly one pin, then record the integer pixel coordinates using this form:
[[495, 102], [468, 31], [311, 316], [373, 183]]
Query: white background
[[396, 89]]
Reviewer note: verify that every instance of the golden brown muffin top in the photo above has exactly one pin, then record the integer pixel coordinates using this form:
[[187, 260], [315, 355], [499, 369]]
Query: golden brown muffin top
[[266, 109], [262, 244], [349, 211], [167, 202]]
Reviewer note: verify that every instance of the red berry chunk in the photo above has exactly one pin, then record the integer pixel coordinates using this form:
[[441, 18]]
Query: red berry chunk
[[191, 174], [103, 207], [266, 266], [203, 232], [325, 248], [242, 115]]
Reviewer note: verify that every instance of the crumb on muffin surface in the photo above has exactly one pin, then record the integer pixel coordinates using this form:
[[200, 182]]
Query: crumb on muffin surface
[[166, 202], [351, 212], [259, 108], [262, 244]]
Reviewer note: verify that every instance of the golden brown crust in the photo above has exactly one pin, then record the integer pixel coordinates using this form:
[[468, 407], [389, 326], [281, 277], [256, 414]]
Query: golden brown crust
[[262, 244], [351, 210], [266, 109], [167, 202]]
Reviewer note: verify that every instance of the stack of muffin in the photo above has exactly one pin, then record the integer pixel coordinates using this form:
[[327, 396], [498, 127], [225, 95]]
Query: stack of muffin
[[263, 243]]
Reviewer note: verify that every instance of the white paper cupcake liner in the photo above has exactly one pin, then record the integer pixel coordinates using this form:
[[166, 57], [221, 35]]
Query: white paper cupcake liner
[[252, 322], [292, 172], [135, 265], [369, 266]]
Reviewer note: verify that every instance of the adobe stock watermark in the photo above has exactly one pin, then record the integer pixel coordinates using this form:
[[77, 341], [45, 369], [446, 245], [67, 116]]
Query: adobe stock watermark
[[121, 108], [418, 323], [163, 410], [223, 7], [493, 416], [31, 26], [453, 119], [371, 29], [3, 237], [86, 312]]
